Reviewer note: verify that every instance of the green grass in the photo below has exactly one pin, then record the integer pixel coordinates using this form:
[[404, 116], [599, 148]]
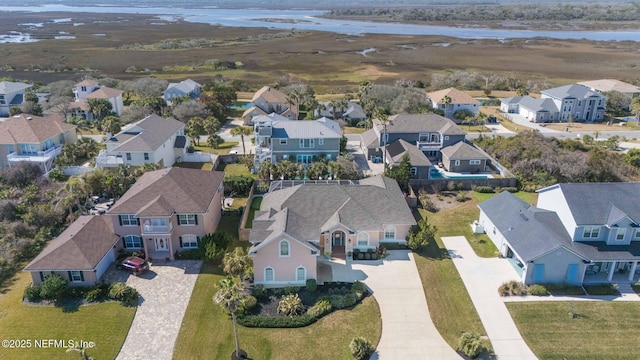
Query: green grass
[[105, 324], [193, 165], [207, 331], [598, 330], [255, 205], [235, 170], [353, 130], [223, 149]]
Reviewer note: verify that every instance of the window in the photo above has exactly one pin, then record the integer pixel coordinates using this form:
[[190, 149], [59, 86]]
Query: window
[[422, 137], [2, 101], [579, 103], [146, 156], [306, 143], [414, 171], [11, 149], [128, 156], [301, 274], [128, 220], [591, 232], [620, 234], [284, 248], [328, 157], [304, 159], [268, 274], [457, 163], [637, 234], [187, 219], [320, 141], [474, 162], [75, 276], [83, 88], [132, 242], [363, 239], [189, 241], [285, 157], [28, 149], [283, 141], [446, 137], [389, 233]]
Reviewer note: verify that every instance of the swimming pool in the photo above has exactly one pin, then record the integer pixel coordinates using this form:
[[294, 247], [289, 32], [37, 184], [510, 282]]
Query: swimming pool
[[241, 105]]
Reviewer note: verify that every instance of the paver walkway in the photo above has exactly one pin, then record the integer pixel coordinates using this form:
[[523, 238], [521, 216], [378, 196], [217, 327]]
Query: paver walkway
[[165, 292], [407, 329], [482, 277]]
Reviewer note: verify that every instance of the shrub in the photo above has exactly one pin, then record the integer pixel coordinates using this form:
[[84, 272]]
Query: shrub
[[239, 185], [214, 246], [96, 293], [117, 291], [358, 287], [190, 254], [311, 285], [537, 290], [483, 189], [512, 288], [32, 293], [470, 344], [290, 290], [53, 287], [57, 175], [130, 297], [381, 251], [320, 308], [290, 305], [248, 303], [259, 292], [602, 289], [276, 322], [510, 189], [360, 348], [462, 196]]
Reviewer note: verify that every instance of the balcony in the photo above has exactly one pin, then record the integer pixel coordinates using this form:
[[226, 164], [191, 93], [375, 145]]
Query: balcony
[[39, 156], [105, 160], [429, 145], [148, 229]]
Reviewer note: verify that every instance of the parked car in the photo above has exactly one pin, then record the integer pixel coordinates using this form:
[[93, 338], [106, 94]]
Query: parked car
[[134, 264]]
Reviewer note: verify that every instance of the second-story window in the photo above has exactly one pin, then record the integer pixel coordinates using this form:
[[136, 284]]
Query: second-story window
[[187, 219], [146, 156], [128, 156], [307, 143], [283, 141], [320, 141], [128, 220]]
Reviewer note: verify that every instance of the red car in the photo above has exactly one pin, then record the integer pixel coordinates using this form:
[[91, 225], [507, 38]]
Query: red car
[[134, 264]]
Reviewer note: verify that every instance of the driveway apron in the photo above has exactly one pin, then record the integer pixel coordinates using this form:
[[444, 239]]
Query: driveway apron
[[165, 291], [482, 277], [407, 329]]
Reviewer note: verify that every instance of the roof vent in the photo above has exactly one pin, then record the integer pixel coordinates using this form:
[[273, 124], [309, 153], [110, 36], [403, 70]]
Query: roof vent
[[29, 118]]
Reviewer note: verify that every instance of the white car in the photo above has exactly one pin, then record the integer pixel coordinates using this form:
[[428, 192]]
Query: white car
[[233, 152]]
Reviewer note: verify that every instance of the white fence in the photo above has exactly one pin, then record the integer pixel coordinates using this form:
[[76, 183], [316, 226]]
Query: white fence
[[198, 157], [76, 170]]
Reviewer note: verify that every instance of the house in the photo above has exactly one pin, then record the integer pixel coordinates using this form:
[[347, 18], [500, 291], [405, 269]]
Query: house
[[571, 102], [268, 100], [605, 85], [451, 100], [153, 140], [33, 138], [91, 89], [11, 95], [430, 133], [464, 157], [298, 224], [420, 164], [185, 88], [577, 233], [303, 142], [80, 254], [352, 113], [167, 211]]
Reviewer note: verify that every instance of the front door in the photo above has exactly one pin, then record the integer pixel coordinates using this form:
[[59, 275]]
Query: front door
[[337, 238], [162, 244]]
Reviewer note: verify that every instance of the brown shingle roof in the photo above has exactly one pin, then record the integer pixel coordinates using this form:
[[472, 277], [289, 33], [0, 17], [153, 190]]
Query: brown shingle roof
[[183, 190], [80, 247], [87, 82], [270, 95], [457, 96], [26, 128], [104, 93], [463, 151]]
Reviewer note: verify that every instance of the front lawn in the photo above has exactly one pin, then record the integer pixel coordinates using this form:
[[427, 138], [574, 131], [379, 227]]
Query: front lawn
[[579, 329], [105, 324], [207, 331], [235, 170]]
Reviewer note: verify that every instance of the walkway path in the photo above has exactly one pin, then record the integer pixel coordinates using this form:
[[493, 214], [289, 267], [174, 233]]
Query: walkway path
[[482, 277], [407, 329], [165, 292]]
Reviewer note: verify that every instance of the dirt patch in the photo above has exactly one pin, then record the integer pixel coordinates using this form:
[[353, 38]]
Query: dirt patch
[[374, 71]]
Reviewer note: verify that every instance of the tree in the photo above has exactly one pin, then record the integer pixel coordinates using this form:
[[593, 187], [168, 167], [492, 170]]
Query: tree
[[317, 170], [195, 128], [265, 170], [402, 173], [214, 141], [617, 102], [188, 109], [100, 108], [154, 104], [111, 124], [148, 87], [522, 91], [242, 131], [230, 296], [293, 98], [236, 262], [421, 235], [383, 117], [217, 98], [635, 107]]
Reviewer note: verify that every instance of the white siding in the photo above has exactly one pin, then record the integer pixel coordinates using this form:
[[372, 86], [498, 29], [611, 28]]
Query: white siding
[[102, 266], [553, 199]]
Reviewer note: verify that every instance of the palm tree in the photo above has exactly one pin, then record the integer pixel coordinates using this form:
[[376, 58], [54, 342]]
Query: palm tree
[[242, 131], [446, 100], [111, 124], [236, 262], [230, 296], [293, 98], [383, 117]]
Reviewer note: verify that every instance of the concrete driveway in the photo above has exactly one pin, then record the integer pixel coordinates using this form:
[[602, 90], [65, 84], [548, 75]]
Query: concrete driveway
[[165, 291], [407, 329], [482, 277]]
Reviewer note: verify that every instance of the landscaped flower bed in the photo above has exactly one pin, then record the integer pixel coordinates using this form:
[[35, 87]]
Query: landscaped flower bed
[[298, 307]]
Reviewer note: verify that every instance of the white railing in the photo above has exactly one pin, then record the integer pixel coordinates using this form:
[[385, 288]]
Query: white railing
[[197, 157], [105, 160], [39, 156], [151, 229]]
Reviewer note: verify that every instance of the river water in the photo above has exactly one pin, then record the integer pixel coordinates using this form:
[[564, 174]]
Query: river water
[[310, 20]]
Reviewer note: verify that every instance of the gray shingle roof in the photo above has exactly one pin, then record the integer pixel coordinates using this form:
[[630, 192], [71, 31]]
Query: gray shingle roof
[[398, 148], [594, 203], [370, 139], [370, 205], [185, 86], [463, 151], [183, 190], [537, 105], [353, 111], [303, 129], [417, 123], [80, 247], [569, 91], [155, 132], [9, 87]]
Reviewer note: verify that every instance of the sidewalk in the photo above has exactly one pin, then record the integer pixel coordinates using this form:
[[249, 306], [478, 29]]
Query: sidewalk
[[482, 277], [626, 294]]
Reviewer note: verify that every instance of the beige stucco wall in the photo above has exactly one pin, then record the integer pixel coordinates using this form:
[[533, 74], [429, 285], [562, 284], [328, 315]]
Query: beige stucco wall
[[284, 267], [89, 277]]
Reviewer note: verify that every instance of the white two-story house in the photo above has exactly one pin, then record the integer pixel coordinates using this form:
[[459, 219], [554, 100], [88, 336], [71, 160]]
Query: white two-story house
[[11, 94], [91, 89]]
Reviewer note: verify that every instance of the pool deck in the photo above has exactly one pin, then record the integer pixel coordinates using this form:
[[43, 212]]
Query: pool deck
[[442, 174]]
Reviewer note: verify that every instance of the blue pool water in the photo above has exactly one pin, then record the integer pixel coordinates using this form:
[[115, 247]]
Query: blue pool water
[[242, 105]]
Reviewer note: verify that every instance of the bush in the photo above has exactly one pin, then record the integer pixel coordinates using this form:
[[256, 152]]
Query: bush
[[248, 303], [381, 251], [53, 287], [358, 287], [462, 196], [320, 308], [483, 189], [130, 297], [32, 293], [214, 246], [510, 189], [238, 185], [311, 285], [470, 344], [190, 254], [290, 290], [341, 301], [96, 293], [512, 288], [259, 292], [276, 322], [360, 348], [537, 290], [290, 305], [57, 175], [117, 291]]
